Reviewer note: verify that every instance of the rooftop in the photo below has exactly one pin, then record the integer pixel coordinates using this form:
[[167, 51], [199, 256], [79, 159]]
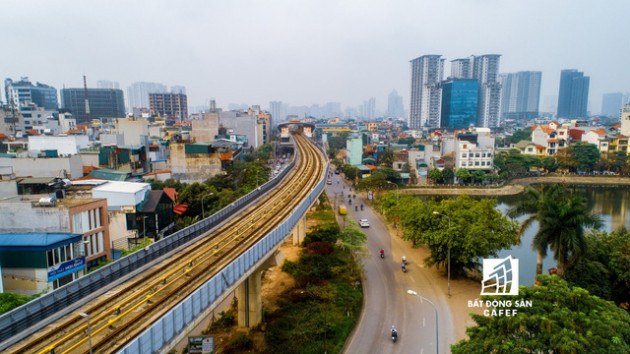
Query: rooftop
[[122, 187], [36, 241]]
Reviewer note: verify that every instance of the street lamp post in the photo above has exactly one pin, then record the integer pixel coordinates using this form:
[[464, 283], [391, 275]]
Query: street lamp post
[[449, 252], [437, 343], [203, 213], [87, 316]]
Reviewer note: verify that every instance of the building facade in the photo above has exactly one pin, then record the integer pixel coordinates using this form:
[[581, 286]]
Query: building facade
[[23, 92], [395, 107], [573, 94], [521, 94], [138, 93], [169, 105], [459, 103], [486, 72], [102, 103], [426, 94], [611, 104]]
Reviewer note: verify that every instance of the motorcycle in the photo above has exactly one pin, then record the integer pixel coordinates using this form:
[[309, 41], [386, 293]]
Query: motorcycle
[[349, 201], [394, 334], [356, 208], [404, 267], [361, 207], [382, 254]]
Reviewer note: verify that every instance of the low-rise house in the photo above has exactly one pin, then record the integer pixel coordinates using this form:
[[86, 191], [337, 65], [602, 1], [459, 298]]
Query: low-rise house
[[36, 262]]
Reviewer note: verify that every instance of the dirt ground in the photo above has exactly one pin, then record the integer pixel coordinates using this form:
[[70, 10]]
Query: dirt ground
[[275, 281]]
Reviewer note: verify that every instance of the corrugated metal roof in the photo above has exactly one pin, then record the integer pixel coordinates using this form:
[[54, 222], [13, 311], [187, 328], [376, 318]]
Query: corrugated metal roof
[[36, 180], [36, 241]]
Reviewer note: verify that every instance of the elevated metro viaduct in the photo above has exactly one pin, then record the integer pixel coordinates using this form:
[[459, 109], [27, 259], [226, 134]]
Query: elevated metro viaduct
[[306, 129], [61, 329]]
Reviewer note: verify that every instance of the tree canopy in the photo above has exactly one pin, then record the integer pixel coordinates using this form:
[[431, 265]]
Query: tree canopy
[[477, 230], [561, 319]]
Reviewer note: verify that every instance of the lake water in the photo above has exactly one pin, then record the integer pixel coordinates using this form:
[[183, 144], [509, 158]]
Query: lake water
[[609, 202]]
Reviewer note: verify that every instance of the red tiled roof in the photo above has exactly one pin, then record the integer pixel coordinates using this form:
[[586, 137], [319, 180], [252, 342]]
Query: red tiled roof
[[180, 209], [226, 156], [88, 169], [552, 140], [32, 131], [73, 131], [171, 193], [600, 131], [618, 126], [82, 126], [547, 130], [3, 136], [371, 167], [540, 146]]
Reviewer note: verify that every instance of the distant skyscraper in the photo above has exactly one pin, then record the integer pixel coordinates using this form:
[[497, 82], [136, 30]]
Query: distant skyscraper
[[521, 94], [611, 104], [23, 92], [461, 68], [573, 94], [138, 93], [178, 89], [486, 72], [369, 109], [169, 105], [332, 110], [395, 106], [104, 103], [278, 112], [459, 103], [107, 84], [425, 104]]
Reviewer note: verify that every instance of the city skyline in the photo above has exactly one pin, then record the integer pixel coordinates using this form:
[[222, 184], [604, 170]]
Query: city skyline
[[363, 50]]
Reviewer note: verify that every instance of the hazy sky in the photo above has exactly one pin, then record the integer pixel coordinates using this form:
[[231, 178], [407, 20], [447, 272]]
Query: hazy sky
[[304, 52]]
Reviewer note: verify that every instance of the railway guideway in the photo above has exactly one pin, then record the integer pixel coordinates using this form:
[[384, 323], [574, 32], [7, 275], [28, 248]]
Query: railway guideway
[[154, 313]]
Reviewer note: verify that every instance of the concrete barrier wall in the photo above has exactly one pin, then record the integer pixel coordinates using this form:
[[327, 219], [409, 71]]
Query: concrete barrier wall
[[205, 297], [40, 309]]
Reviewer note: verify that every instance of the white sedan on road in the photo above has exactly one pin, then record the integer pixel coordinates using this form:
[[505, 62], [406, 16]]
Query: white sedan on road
[[364, 223]]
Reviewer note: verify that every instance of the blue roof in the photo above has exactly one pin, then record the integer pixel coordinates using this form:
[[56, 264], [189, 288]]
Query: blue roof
[[36, 241]]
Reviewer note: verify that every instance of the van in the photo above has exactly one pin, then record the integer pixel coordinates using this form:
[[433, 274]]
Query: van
[[343, 210]]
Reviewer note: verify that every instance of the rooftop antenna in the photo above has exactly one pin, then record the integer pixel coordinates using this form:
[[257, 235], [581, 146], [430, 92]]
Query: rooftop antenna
[[87, 104]]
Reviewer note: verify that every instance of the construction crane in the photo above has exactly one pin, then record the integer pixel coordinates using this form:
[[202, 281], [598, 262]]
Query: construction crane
[[87, 103]]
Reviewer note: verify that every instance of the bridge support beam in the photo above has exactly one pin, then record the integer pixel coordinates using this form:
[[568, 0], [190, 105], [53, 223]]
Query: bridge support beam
[[249, 299], [299, 231]]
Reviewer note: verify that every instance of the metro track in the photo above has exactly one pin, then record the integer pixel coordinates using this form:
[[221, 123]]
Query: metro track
[[120, 314]]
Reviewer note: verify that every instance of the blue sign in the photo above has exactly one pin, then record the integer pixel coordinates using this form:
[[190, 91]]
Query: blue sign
[[63, 269]]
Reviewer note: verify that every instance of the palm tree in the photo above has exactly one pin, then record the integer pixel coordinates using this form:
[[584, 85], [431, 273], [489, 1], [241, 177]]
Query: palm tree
[[561, 220]]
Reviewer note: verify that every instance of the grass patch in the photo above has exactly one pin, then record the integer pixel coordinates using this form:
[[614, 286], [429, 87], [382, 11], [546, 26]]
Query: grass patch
[[318, 314]]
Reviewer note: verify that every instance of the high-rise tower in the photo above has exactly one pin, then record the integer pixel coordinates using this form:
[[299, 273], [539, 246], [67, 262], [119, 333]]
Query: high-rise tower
[[573, 94], [426, 94], [485, 69], [521, 94]]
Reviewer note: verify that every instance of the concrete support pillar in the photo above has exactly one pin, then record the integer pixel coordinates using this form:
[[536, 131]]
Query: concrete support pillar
[[250, 301], [299, 231]]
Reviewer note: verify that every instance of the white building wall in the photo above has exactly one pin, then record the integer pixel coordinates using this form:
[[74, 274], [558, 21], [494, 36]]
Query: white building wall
[[65, 145], [128, 193], [45, 167], [49, 219]]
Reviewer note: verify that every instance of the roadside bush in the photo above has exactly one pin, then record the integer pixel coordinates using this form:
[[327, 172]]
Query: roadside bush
[[320, 248], [239, 344], [226, 320], [322, 233]]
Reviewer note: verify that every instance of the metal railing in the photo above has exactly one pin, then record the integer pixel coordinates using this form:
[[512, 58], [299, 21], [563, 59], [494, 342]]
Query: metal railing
[[170, 327], [39, 311]]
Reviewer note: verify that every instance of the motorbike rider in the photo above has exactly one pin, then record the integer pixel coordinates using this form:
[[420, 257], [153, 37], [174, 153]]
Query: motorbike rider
[[404, 267], [356, 208], [404, 260], [361, 206], [382, 253], [394, 333]]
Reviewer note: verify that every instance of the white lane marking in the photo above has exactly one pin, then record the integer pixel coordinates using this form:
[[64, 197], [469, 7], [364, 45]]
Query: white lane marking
[[424, 321]]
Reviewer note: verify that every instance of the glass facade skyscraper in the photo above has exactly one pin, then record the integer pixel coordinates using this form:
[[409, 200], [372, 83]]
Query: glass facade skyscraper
[[459, 103], [104, 103], [573, 95]]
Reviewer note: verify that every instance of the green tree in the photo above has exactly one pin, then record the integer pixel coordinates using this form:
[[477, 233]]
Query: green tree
[[549, 163], [462, 174], [350, 171], [561, 319], [389, 173], [9, 301], [337, 142], [192, 194], [435, 175], [478, 176], [561, 223], [220, 181], [407, 141], [406, 168], [605, 268], [564, 158], [520, 135], [387, 159], [585, 154], [332, 152], [447, 175], [353, 240], [477, 230]]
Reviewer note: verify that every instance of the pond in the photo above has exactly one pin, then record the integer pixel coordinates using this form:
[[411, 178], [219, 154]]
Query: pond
[[609, 202]]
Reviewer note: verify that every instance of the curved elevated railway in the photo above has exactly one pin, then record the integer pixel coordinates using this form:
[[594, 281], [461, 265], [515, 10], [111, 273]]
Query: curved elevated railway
[[120, 314]]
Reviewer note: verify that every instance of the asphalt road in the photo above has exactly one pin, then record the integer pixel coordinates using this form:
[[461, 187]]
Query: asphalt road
[[386, 301]]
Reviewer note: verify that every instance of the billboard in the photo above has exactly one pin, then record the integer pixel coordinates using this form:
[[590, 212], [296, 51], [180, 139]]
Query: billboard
[[61, 270]]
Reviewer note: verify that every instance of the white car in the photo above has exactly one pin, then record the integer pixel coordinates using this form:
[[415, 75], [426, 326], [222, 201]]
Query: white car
[[364, 223]]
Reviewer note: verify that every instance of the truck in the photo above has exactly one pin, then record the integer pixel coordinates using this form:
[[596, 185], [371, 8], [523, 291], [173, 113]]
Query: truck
[[343, 210]]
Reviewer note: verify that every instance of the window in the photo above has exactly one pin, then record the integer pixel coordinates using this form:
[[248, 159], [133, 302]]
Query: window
[[100, 242], [463, 163], [483, 163], [483, 154], [463, 155], [476, 154], [476, 163], [49, 256], [98, 217]]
